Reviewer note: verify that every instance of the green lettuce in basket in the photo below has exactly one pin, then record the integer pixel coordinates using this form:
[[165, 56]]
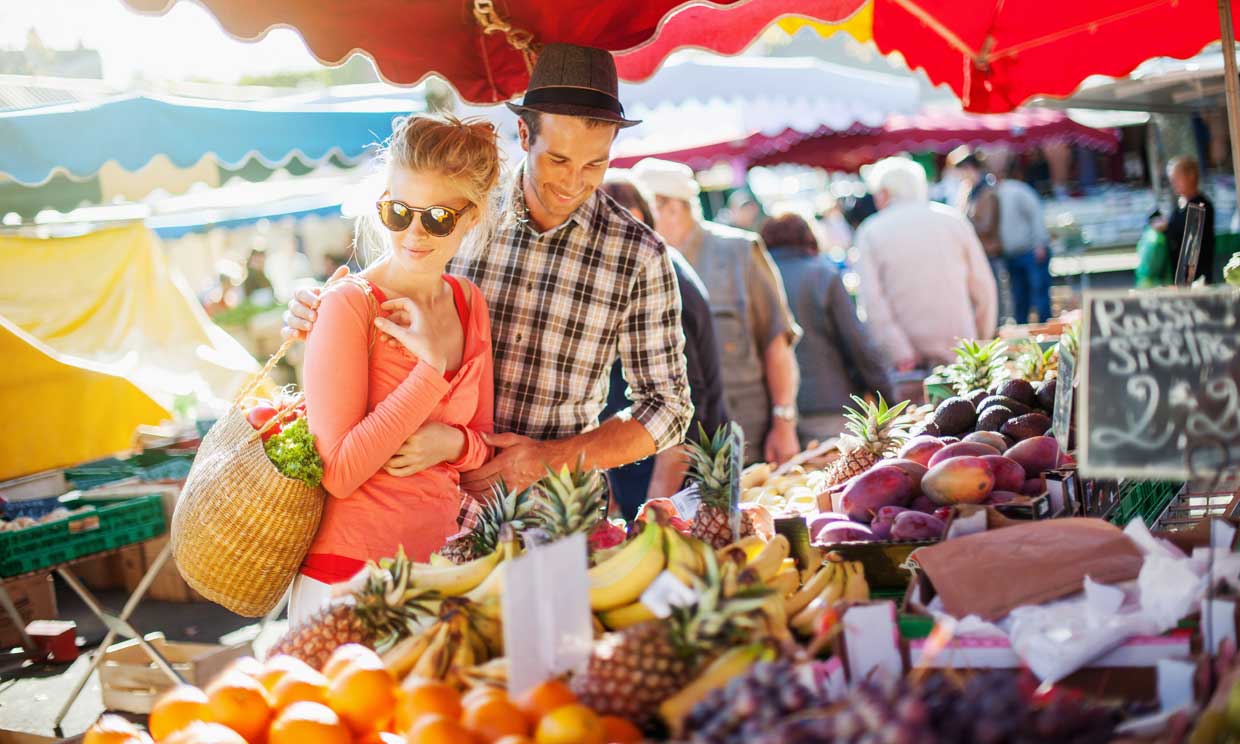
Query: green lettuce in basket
[[292, 452]]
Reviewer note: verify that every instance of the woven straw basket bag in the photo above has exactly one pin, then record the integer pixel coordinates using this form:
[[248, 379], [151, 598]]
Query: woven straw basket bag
[[241, 529]]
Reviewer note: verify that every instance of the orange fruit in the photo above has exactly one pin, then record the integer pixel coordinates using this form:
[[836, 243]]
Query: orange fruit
[[570, 724], [426, 697], [176, 709], [493, 717], [202, 732], [347, 655], [437, 729], [277, 666], [364, 694], [381, 737], [247, 665], [482, 691], [240, 703], [309, 723], [515, 740], [545, 697], [619, 730], [299, 687], [114, 730]]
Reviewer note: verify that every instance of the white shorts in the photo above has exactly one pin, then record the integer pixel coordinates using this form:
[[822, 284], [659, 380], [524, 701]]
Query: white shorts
[[308, 597]]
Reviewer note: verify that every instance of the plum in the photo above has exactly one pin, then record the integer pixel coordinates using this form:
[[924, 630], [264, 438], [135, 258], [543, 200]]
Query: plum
[[847, 531], [910, 526], [923, 504], [819, 520], [1034, 487]]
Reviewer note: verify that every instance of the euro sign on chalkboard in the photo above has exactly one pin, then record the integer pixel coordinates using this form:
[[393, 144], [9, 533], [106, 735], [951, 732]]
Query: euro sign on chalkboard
[[1159, 384]]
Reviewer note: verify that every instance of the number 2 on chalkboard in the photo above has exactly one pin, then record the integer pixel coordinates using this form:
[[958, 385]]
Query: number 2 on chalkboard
[[1200, 425], [1141, 387]]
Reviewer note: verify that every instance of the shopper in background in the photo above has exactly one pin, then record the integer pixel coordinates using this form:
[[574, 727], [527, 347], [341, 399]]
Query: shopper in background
[[980, 202], [743, 211], [835, 355], [1185, 177], [664, 474], [753, 325], [1026, 248], [925, 282]]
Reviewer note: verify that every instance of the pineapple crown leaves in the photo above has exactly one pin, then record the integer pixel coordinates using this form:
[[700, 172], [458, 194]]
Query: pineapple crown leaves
[[717, 617], [977, 365], [570, 501], [710, 464], [388, 603], [876, 426], [502, 506]]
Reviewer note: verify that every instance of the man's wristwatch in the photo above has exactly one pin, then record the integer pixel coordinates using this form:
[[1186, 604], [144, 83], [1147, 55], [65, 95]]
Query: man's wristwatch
[[787, 413]]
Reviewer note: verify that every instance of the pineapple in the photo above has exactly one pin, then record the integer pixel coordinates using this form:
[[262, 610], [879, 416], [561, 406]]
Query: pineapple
[[977, 366], [503, 506], [1034, 364], [569, 502], [710, 467], [632, 671], [384, 610], [874, 431]]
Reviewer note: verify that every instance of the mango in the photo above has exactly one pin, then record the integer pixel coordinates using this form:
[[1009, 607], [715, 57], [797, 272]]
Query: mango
[[962, 449], [874, 489], [1009, 474], [911, 526], [920, 449], [1036, 455], [913, 469], [959, 480], [993, 438]]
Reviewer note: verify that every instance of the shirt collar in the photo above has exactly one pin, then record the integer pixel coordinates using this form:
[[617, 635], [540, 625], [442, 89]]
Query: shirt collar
[[583, 215]]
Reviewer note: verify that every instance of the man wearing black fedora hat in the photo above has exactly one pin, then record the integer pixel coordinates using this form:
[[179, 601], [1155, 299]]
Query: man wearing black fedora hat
[[573, 282]]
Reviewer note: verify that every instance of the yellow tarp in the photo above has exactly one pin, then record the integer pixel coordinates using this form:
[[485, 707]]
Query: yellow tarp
[[54, 414], [105, 302], [859, 25]]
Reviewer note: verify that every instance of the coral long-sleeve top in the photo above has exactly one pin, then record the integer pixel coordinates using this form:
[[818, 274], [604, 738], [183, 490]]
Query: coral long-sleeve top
[[362, 403]]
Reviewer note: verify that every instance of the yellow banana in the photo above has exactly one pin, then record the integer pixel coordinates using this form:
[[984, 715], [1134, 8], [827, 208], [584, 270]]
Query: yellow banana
[[432, 659], [628, 615], [784, 583], [857, 589], [815, 563], [752, 545], [805, 620], [453, 580], [731, 664], [768, 561], [755, 475], [438, 561], [683, 560], [776, 617], [402, 657], [835, 590], [810, 590], [788, 563], [622, 579]]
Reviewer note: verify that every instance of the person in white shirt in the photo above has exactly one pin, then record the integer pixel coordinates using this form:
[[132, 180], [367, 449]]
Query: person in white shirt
[[925, 281], [1026, 248]]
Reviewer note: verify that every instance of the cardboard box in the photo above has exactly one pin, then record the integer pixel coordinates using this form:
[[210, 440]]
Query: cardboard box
[[34, 598], [131, 682]]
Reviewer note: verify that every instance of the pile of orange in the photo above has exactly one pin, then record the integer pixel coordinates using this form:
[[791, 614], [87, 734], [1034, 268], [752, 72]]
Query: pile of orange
[[355, 700]]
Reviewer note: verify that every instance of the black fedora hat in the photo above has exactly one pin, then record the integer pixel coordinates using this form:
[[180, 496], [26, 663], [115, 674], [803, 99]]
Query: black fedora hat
[[574, 81]]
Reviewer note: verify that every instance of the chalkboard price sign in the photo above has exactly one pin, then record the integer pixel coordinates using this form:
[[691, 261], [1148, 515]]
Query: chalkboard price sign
[[1159, 377], [1061, 421]]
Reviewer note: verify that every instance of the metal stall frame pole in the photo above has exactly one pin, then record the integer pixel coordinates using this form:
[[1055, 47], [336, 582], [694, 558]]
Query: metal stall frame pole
[[1228, 31]]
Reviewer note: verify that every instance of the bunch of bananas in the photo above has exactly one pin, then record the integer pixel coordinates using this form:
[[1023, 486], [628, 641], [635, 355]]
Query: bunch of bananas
[[836, 580], [462, 637]]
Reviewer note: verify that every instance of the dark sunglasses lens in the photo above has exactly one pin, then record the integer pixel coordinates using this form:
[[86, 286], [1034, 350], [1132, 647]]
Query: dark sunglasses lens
[[395, 216], [438, 221]]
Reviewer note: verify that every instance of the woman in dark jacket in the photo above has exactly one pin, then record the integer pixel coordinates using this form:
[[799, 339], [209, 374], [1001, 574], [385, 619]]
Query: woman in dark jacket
[[835, 356]]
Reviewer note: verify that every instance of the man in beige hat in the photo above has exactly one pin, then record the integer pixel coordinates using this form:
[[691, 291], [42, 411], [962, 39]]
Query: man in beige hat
[[755, 329], [573, 282]]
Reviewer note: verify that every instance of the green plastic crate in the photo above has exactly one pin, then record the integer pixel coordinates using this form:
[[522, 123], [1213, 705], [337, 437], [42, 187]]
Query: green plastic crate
[[113, 524], [153, 465], [1145, 499]]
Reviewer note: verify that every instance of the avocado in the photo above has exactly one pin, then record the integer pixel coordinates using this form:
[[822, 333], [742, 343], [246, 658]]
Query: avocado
[[1020, 391], [1046, 394], [993, 418], [954, 415], [1027, 426], [1014, 406], [929, 427], [976, 397]]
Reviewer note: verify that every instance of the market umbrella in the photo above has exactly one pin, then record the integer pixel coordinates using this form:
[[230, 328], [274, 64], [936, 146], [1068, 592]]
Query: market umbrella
[[484, 48]]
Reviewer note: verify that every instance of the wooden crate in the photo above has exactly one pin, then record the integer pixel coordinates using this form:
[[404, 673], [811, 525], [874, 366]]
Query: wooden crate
[[132, 683]]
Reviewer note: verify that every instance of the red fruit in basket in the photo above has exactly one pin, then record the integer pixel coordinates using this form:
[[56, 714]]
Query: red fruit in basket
[[259, 415]]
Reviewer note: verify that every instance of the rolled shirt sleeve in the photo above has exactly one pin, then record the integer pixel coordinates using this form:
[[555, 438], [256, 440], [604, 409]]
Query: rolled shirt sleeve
[[651, 345]]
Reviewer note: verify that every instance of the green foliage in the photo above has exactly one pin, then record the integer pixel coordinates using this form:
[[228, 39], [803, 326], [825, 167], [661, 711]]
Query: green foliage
[[293, 453]]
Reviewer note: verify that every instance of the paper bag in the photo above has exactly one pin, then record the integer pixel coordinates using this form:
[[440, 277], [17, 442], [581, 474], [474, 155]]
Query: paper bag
[[991, 573]]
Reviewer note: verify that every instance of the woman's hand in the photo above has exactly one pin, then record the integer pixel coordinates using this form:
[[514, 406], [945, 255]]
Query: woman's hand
[[408, 324], [429, 446]]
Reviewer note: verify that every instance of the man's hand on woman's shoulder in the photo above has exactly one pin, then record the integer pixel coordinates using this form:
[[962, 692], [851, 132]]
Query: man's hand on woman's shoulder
[[302, 309]]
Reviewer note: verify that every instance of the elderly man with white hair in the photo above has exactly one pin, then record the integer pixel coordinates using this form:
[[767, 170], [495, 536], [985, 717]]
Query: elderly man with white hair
[[925, 280], [754, 327]]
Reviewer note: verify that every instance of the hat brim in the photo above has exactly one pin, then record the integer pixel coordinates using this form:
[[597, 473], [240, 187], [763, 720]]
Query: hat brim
[[569, 109]]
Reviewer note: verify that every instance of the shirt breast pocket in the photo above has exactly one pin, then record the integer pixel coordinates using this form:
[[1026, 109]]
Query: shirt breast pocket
[[732, 332]]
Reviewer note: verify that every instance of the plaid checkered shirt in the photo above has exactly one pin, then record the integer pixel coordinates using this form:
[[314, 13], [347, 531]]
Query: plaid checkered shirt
[[565, 304]]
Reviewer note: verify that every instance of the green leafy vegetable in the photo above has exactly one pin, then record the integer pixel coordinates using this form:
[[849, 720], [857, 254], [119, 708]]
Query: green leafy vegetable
[[292, 452], [1231, 272]]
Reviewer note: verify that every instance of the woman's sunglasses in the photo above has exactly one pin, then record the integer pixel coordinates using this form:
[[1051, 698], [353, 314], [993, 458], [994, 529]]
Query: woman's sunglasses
[[397, 216]]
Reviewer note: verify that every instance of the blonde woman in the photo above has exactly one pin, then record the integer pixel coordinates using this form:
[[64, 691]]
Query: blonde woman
[[402, 352]]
